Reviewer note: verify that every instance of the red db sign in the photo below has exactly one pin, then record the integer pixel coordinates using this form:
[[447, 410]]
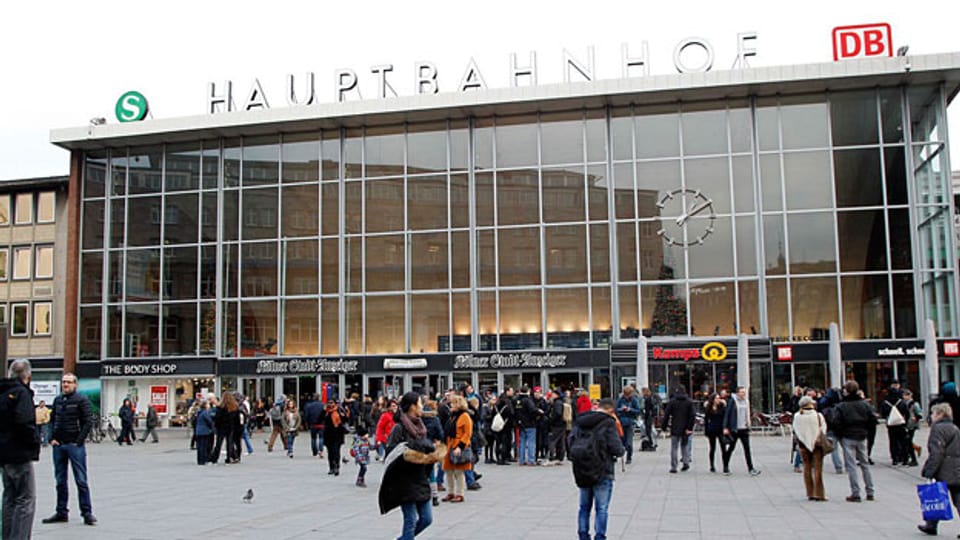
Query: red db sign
[[862, 40]]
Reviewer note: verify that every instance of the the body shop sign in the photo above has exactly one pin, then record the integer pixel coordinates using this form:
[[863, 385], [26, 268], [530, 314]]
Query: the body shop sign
[[158, 399]]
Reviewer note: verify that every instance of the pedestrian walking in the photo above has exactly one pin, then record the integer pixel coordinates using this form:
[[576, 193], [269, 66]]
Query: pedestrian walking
[[854, 416], [42, 417], [313, 418], [913, 423], [714, 411], [895, 411], [736, 426], [385, 425], [152, 421], [410, 456], [275, 415], [679, 415], [650, 413], [810, 429], [291, 424], [458, 433], [19, 448], [628, 410], [360, 451], [127, 417], [943, 457], [595, 445], [204, 432], [334, 432], [246, 424], [72, 420], [192, 420]]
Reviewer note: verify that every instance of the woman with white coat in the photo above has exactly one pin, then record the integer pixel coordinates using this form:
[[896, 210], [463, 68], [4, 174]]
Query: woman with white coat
[[808, 425]]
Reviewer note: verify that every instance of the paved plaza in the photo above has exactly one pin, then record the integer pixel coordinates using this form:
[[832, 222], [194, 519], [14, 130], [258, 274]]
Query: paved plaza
[[156, 491]]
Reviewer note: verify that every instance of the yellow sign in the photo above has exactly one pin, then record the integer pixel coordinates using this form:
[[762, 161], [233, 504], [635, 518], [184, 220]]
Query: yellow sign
[[594, 391], [714, 352]]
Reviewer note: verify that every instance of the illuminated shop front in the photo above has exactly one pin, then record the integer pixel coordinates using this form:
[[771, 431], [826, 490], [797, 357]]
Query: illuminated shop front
[[687, 207]]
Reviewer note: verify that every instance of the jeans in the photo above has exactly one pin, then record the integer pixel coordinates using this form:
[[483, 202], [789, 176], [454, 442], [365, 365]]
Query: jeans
[[627, 440], [291, 437], [19, 500], [855, 455], [316, 441], [440, 474], [203, 448], [77, 457], [246, 440], [416, 518], [528, 446], [683, 441], [836, 454], [470, 477], [598, 495]]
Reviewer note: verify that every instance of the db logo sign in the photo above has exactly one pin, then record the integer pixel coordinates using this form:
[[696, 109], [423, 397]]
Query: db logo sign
[[951, 348], [862, 41], [784, 354]]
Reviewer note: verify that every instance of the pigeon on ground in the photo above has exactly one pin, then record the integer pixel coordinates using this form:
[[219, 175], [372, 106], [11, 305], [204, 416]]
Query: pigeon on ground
[[248, 497]]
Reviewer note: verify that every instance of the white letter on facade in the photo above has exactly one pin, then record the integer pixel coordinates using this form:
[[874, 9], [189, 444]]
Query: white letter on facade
[[743, 50], [381, 72], [346, 82], [570, 62], [256, 99], [693, 42], [638, 61], [528, 71], [472, 79], [311, 94], [214, 101], [425, 78]]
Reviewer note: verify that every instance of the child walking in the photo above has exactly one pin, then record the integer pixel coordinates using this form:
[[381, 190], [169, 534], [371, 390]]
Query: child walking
[[361, 453]]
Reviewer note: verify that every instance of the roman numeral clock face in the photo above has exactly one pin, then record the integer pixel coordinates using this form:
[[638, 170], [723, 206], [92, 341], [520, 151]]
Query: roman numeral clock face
[[686, 217]]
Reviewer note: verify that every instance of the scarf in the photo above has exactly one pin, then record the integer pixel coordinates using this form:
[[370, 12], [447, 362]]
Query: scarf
[[807, 426], [413, 425], [450, 430], [743, 412], [333, 415]]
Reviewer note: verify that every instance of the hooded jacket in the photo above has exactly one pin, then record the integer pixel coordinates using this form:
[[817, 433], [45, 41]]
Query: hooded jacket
[[943, 463], [19, 442], [679, 414], [406, 476], [604, 427]]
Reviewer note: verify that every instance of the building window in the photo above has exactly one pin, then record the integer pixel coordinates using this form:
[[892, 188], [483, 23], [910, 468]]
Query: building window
[[4, 255], [24, 215], [41, 319], [4, 209], [45, 207], [21, 262], [20, 323], [44, 268], [3, 314]]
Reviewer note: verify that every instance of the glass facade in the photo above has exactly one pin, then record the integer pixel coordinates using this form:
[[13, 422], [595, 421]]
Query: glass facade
[[767, 216]]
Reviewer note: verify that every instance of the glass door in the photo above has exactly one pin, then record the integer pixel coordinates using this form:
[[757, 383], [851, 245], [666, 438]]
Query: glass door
[[487, 380], [420, 384], [511, 380]]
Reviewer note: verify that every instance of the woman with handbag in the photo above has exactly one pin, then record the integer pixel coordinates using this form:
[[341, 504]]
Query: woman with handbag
[[459, 459], [943, 457], [810, 429], [714, 410]]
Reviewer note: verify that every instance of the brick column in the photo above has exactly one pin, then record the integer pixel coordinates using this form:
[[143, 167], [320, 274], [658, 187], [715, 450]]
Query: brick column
[[71, 301]]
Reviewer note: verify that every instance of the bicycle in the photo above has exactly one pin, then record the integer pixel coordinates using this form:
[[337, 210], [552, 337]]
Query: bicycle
[[98, 433]]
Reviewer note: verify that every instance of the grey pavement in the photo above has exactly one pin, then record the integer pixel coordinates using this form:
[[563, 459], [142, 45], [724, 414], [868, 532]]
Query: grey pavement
[[156, 491]]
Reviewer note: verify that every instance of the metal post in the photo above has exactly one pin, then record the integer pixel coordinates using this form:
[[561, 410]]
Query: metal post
[[836, 366], [743, 361], [931, 360], [643, 367]]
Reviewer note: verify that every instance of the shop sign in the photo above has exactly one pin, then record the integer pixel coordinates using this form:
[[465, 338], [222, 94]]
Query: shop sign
[[45, 391], [862, 40], [158, 399], [510, 361], [108, 370], [900, 351], [713, 351], [690, 55], [785, 353], [951, 348], [157, 368], [594, 391], [404, 363], [306, 365]]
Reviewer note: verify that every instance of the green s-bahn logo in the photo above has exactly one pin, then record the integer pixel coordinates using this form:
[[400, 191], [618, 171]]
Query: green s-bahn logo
[[131, 107]]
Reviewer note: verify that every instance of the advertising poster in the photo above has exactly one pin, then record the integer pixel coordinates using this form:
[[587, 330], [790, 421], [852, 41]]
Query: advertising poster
[[44, 391], [158, 399]]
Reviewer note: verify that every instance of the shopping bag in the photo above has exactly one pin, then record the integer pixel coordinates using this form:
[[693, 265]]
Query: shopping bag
[[935, 501]]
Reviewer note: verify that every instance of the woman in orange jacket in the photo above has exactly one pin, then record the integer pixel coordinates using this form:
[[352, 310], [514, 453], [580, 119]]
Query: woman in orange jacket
[[458, 432]]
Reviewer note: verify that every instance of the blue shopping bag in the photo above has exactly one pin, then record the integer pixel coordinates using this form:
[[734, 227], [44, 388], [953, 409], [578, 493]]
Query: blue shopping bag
[[935, 501]]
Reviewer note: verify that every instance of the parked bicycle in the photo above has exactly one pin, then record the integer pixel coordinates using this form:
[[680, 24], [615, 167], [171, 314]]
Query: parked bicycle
[[99, 432]]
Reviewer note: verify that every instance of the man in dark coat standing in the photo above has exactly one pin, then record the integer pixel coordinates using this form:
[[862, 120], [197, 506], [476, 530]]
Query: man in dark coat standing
[[943, 461], [680, 415], [504, 407], [72, 419], [854, 416], [19, 448]]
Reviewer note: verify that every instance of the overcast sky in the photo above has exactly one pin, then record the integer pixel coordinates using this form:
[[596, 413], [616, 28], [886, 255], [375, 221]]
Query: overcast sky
[[63, 63]]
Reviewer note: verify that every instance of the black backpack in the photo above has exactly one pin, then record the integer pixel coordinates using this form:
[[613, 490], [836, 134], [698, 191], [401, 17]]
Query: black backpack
[[588, 451]]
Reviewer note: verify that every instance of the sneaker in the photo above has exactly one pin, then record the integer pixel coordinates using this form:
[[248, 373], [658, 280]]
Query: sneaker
[[474, 487], [477, 476], [56, 518], [854, 498], [754, 472], [685, 467], [89, 520]]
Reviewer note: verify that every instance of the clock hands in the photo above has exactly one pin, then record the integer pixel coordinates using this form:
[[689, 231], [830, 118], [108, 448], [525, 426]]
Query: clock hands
[[694, 210]]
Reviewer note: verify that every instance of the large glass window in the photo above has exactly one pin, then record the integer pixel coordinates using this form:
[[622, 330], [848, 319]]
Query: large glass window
[[518, 197], [301, 260], [563, 198], [24, 214], [568, 324], [180, 273], [386, 324], [427, 202], [384, 206], [713, 309], [866, 307], [519, 256], [301, 155], [520, 326], [859, 182], [385, 263], [666, 306], [811, 243], [301, 328], [142, 330], [516, 141], [5, 209], [853, 118], [807, 178], [429, 323], [261, 156], [180, 329], [143, 275], [258, 269], [5, 264], [566, 255], [46, 201], [562, 138], [180, 219], [259, 214], [143, 227], [862, 236], [258, 327], [183, 166], [383, 151], [21, 262], [814, 307], [329, 325], [300, 208], [144, 169], [426, 148], [428, 261], [19, 322]]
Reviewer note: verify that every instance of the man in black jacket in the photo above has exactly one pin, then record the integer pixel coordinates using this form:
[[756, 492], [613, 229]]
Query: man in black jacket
[[680, 415], [313, 418], [504, 407], [558, 429], [527, 416], [854, 416], [19, 448], [596, 430], [72, 420], [896, 423]]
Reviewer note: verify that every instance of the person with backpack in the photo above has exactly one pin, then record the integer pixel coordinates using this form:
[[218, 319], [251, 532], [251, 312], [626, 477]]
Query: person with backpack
[[276, 427], [595, 445], [895, 412], [628, 409], [680, 415]]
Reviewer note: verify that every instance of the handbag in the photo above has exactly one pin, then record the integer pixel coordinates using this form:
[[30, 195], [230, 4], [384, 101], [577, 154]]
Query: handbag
[[498, 423], [895, 418], [822, 440], [935, 501], [465, 457]]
